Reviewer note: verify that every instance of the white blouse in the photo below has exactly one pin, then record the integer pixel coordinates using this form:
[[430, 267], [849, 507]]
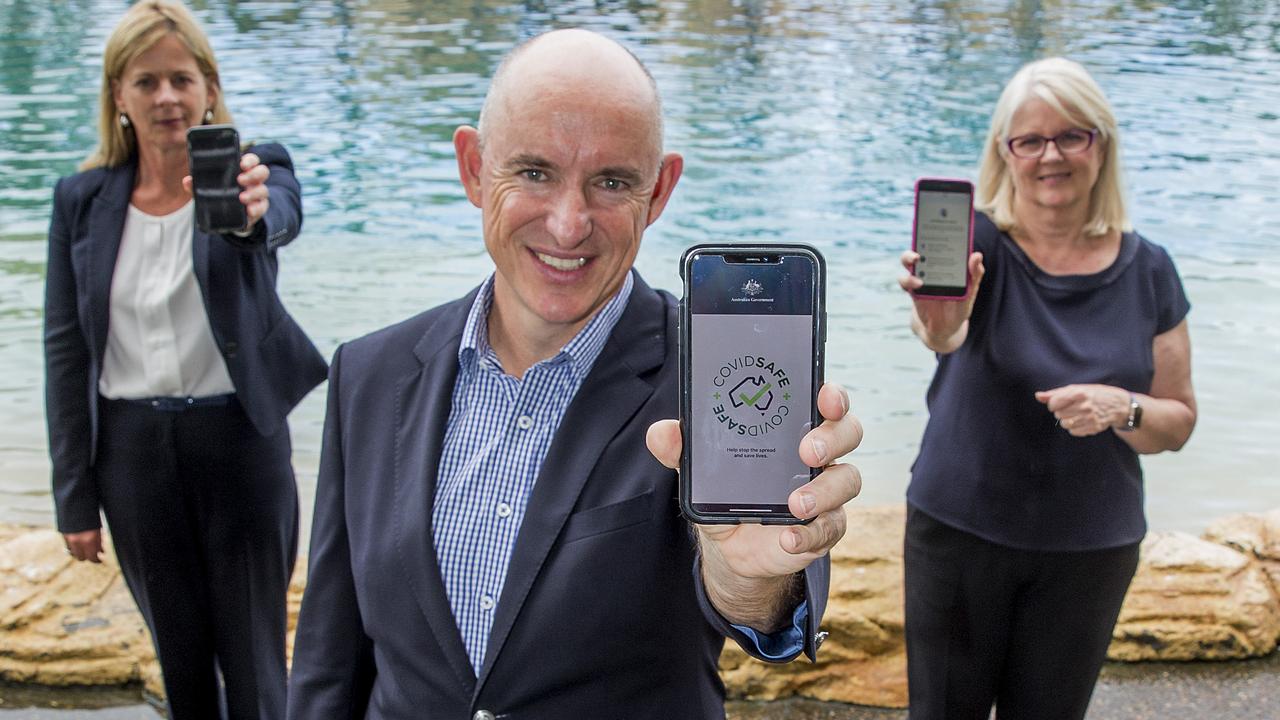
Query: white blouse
[[159, 343]]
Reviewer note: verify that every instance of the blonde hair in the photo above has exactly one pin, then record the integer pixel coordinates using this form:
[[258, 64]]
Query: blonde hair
[[144, 25], [1067, 87]]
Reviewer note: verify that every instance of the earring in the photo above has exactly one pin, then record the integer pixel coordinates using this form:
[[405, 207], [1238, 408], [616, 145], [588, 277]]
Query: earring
[[208, 116], [124, 121]]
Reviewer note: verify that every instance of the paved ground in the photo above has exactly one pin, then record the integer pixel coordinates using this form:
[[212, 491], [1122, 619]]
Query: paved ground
[[1247, 690]]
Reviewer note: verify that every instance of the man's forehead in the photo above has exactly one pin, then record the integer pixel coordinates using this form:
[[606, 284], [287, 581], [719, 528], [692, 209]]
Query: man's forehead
[[564, 152], [565, 131]]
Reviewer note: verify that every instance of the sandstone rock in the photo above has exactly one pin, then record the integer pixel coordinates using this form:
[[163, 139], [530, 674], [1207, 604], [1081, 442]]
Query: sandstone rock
[[71, 623], [1195, 600], [1190, 600], [1256, 534], [863, 660], [65, 622]]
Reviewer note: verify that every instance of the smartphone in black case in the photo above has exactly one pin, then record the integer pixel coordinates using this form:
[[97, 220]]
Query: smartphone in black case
[[752, 331], [214, 153]]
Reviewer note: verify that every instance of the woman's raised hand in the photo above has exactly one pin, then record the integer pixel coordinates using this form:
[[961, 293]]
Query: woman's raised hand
[[941, 324]]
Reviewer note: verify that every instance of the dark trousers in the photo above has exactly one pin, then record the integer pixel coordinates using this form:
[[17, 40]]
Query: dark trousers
[[203, 513], [987, 624]]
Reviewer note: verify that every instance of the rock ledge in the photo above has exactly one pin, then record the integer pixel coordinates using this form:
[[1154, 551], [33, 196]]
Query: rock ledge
[[1211, 598]]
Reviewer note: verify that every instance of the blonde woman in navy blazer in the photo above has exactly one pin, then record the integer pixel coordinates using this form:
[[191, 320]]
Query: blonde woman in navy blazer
[[177, 433]]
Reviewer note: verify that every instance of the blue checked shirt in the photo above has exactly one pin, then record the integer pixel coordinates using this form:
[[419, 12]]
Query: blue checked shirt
[[499, 431]]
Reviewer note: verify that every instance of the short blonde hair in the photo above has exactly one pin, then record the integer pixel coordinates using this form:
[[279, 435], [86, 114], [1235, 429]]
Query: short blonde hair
[[1067, 87], [144, 25]]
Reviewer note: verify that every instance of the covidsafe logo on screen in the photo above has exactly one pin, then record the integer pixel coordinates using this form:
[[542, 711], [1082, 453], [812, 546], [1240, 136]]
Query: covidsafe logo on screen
[[751, 396]]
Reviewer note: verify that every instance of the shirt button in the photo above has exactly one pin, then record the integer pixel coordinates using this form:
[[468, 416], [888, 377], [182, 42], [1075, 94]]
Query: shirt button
[[486, 602], [483, 715], [504, 510], [524, 422]]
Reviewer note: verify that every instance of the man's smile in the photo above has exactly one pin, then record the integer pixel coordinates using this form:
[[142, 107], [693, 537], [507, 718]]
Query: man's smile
[[565, 264]]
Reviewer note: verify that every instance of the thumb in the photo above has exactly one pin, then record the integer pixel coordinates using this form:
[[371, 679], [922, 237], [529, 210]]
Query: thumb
[[976, 267], [663, 440]]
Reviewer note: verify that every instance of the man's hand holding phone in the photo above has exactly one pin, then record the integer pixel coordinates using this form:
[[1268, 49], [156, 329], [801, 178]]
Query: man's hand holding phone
[[941, 324], [747, 567]]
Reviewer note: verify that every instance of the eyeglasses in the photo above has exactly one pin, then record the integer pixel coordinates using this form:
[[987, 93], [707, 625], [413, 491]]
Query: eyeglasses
[[1070, 141]]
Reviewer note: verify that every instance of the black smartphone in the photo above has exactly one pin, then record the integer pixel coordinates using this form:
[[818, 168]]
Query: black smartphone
[[752, 331], [942, 234], [214, 154]]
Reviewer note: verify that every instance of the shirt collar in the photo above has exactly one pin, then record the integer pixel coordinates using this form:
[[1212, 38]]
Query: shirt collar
[[581, 351]]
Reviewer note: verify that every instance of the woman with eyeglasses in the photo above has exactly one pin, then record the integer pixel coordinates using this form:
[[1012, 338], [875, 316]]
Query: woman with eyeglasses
[[1068, 358]]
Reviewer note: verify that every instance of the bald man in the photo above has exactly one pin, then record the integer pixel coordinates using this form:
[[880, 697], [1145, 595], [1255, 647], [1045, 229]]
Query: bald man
[[491, 537]]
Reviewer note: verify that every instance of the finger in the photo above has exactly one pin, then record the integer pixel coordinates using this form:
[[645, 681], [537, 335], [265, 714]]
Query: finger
[[833, 487], [830, 441], [909, 259], [254, 213], [95, 547], [1079, 428], [816, 538], [663, 440], [254, 177], [910, 283], [1060, 400], [255, 193], [249, 160], [833, 401], [1068, 404], [976, 267]]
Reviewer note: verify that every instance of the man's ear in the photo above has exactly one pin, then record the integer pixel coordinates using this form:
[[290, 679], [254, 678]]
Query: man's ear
[[466, 146], [668, 176]]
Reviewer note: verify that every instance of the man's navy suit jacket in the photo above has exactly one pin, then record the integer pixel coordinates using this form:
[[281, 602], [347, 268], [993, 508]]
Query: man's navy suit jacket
[[271, 361], [600, 615]]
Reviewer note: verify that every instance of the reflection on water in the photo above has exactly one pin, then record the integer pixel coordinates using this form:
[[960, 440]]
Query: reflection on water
[[804, 121]]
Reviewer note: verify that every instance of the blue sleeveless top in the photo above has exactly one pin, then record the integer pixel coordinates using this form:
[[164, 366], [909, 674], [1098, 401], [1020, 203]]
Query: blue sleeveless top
[[993, 461]]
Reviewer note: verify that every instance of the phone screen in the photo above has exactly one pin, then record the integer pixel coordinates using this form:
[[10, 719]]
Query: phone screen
[[214, 155], [750, 379], [943, 216]]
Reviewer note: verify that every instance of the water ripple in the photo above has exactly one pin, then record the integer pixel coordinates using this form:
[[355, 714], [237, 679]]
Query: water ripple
[[799, 120]]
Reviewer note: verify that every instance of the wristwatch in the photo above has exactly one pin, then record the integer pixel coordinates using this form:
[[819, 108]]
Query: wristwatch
[[1134, 421]]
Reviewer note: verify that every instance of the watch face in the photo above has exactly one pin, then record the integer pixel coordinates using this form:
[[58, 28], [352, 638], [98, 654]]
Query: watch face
[[1135, 414]]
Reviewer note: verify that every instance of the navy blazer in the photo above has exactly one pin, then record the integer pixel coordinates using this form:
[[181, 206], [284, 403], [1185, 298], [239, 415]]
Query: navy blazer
[[601, 615], [271, 361]]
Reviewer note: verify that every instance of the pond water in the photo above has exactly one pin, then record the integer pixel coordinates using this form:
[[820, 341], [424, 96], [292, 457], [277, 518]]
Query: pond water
[[799, 121]]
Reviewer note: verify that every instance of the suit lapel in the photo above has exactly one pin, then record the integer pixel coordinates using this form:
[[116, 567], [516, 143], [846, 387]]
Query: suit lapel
[[106, 225], [423, 402], [607, 399]]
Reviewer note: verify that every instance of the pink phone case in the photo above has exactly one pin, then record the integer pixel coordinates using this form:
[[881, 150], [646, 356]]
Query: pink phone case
[[915, 216]]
